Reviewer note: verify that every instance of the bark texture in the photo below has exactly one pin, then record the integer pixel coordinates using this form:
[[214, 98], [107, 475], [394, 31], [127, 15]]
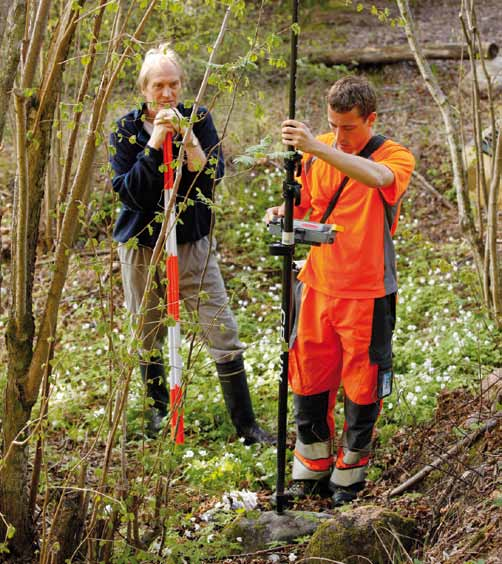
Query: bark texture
[[10, 55]]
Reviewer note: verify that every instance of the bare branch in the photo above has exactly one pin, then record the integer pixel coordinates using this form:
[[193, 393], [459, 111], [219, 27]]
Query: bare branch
[[36, 40], [4, 12], [21, 240], [459, 177], [469, 32], [491, 230], [70, 221], [428, 186], [466, 441], [51, 76], [84, 86], [11, 54]]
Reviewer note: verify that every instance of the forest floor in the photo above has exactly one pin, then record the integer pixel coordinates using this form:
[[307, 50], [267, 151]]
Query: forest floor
[[457, 507]]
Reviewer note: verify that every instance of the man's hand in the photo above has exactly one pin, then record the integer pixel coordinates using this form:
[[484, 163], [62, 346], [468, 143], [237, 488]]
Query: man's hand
[[166, 121], [168, 118], [276, 211], [298, 135]]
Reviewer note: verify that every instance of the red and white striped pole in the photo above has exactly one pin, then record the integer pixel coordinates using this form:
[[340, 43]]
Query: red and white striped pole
[[173, 300]]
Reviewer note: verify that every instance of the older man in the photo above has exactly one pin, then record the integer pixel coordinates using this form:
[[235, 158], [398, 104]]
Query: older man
[[136, 160]]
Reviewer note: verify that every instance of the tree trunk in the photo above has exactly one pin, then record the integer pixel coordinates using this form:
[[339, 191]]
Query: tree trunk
[[67, 530], [14, 495], [397, 53], [4, 12]]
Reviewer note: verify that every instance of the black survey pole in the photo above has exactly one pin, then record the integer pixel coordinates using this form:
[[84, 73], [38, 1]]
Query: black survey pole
[[286, 249]]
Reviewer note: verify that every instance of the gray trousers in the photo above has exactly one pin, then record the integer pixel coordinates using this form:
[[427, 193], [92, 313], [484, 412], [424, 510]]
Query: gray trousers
[[210, 314]]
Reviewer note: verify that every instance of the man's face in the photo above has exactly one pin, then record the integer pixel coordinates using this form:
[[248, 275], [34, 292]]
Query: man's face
[[351, 130], [163, 87]]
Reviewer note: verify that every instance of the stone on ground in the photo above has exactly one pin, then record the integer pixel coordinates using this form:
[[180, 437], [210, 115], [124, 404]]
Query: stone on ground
[[257, 530], [363, 534]]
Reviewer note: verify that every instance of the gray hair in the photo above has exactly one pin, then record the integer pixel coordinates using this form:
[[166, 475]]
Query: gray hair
[[154, 57]]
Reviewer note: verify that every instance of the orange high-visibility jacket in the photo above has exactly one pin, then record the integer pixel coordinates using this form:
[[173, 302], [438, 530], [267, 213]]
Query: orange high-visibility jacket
[[361, 262]]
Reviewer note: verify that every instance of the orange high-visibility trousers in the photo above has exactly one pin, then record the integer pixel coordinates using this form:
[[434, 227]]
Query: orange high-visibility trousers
[[338, 341]]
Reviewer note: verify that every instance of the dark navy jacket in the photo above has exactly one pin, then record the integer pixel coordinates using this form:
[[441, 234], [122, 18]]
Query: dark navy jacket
[[140, 184]]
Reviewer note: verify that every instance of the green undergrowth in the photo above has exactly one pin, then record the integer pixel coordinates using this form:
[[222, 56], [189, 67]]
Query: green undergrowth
[[443, 340]]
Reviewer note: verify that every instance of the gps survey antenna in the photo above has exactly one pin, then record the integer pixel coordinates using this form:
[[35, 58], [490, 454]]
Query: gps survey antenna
[[286, 249], [307, 232]]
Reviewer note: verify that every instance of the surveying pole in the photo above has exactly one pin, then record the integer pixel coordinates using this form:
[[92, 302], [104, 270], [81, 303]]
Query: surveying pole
[[286, 249], [173, 300]]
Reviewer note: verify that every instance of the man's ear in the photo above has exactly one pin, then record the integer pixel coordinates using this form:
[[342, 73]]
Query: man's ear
[[371, 118]]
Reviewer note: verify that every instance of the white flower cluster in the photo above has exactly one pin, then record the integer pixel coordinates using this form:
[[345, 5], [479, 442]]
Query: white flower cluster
[[242, 499]]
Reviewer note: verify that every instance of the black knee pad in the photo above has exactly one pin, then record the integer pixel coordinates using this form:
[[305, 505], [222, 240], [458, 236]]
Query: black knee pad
[[311, 413]]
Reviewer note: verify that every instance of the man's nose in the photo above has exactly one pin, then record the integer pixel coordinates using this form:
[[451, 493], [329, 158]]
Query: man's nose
[[166, 91]]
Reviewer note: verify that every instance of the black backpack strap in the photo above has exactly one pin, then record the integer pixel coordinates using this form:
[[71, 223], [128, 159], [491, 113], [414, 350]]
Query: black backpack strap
[[334, 200], [371, 146]]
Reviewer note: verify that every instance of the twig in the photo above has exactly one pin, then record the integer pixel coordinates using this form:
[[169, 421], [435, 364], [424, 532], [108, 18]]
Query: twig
[[159, 245], [441, 459], [428, 186], [22, 211], [320, 559], [256, 553]]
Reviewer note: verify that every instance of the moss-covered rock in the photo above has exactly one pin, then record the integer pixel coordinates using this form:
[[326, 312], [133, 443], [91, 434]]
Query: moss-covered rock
[[362, 534], [256, 531]]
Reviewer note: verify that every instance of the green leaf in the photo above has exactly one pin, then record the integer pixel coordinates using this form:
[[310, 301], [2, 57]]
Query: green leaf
[[259, 111], [244, 160]]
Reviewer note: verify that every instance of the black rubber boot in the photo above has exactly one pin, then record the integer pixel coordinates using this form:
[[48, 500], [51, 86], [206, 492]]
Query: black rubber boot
[[238, 401], [154, 377]]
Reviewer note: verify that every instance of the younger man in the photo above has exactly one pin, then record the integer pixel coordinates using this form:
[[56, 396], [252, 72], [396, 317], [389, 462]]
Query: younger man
[[347, 312]]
